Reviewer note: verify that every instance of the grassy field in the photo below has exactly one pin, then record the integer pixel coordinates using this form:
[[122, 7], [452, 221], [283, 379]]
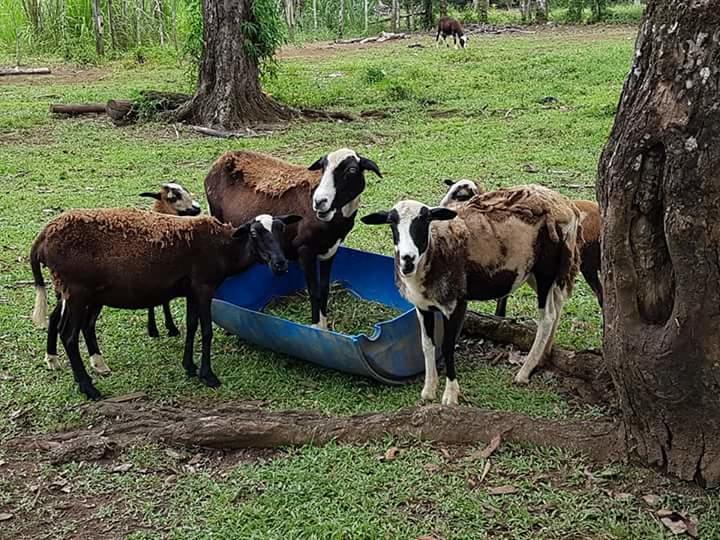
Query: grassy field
[[480, 114]]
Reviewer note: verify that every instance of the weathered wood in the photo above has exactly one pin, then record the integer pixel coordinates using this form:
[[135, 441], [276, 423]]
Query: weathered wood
[[241, 426], [121, 111], [659, 192], [24, 71], [74, 109], [225, 134]]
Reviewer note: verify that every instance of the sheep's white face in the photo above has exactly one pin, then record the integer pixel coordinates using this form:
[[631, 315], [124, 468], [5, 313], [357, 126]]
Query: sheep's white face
[[410, 224], [180, 200], [341, 184], [460, 191]]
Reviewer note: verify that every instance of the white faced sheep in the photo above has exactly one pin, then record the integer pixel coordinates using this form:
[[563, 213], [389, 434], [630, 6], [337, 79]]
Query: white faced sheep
[[171, 199], [326, 195], [463, 190], [133, 259], [499, 241], [447, 26]]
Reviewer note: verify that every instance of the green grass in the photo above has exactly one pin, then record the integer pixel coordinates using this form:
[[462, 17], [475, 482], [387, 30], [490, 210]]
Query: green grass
[[494, 125]]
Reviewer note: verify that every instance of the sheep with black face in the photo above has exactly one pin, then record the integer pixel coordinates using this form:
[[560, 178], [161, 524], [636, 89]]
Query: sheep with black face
[[326, 194], [133, 259], [497, 242]]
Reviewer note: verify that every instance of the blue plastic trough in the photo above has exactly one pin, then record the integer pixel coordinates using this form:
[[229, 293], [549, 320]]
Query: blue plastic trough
[[392, 354]]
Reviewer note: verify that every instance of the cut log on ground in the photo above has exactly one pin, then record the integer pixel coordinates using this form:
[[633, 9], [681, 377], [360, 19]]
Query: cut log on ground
[[241, 426], [592, 379], [74, 109], [24, 71]]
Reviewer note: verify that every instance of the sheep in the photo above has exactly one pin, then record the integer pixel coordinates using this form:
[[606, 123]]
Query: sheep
[[447, 26], [134, 259], [499, 241], [463, 190], [171, 199], [326, 195]]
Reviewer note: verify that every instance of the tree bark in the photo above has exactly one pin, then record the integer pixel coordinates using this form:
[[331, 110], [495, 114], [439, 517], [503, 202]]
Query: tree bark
[[659, 189], [98, 27], [229, 95], [77, 109], [249, 426], [111, 25]]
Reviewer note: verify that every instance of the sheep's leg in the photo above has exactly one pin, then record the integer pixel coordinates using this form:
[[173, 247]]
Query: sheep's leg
[[455, 40], [88, 330], [546, 324], [453, 326], [560, 296], [592, 276], [501, 307], [324, 289], [51, 354], [152, 328], [172, 330], [427, 333], [71, 323], [437, 39], [191, 324], [308, 262], [206, 374]]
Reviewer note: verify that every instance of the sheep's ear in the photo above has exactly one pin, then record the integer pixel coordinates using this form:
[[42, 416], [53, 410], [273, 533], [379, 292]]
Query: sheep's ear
[[149, 194], [449, 182], [242, 230], [289, 219], [441, 214], [320, 164], [369, 165], [377, 218]]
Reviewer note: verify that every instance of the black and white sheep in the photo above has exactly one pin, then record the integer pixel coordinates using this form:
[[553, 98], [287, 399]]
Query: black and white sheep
[[134, 259], [447, 26], [326, 195], [498, 241], [463, 190]]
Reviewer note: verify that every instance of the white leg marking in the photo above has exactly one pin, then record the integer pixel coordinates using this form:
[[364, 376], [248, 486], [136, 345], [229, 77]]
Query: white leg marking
[[99, 365], [544, 332], [559, 297], [52, 362], [452, 392], [431, 377], [39, 314], [322, 323]]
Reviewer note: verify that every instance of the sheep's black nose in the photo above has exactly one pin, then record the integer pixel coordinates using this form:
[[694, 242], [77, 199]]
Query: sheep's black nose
[[408, 264], [279, 267], [321, 204]]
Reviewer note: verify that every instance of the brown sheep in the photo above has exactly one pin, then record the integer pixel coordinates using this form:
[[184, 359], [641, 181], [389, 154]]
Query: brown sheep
[[499, 241], [326, 195], [461, 191], [447, 26], [133, 259]]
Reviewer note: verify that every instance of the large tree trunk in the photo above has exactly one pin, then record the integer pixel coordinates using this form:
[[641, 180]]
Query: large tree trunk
[[660, 195], [229, 93]]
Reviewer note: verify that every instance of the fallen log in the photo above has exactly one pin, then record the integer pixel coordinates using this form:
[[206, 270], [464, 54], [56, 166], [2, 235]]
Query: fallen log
[[241, 426], [591, 377], [210, 132], [74, 109], [24, 71]]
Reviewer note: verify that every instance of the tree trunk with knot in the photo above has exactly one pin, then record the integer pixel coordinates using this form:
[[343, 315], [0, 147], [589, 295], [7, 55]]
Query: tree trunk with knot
[[659, 189]]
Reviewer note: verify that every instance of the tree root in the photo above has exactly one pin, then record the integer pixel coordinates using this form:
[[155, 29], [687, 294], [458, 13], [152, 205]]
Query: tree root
[[249, 426], [585, 370]]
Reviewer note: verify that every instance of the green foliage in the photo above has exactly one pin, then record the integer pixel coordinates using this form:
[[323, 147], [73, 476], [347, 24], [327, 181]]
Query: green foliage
[[575, 11], [373, 74], [264, 34]]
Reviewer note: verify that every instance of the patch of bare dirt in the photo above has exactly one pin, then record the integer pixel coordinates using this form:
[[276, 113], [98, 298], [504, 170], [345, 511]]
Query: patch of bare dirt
[[59, 75]]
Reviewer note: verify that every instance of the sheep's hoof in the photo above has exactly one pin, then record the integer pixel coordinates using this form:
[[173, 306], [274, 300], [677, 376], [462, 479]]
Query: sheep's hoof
[[173, 332], [99, 365], [191, 371], [52, 362], [451, 393], [522, 378], [210, 380], [90, 391], [428, 394], [153, 333]]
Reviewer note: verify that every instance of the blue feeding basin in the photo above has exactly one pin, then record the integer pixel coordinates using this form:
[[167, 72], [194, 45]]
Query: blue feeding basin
[[392, 354]]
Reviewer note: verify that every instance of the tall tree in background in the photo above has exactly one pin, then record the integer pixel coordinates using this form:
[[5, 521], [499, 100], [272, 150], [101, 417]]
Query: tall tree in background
[[428, 18], [237, 36], [659, 188]]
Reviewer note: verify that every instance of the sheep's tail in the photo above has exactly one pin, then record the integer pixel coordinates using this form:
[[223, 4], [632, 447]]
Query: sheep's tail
[[570, 252], [39, 314]]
